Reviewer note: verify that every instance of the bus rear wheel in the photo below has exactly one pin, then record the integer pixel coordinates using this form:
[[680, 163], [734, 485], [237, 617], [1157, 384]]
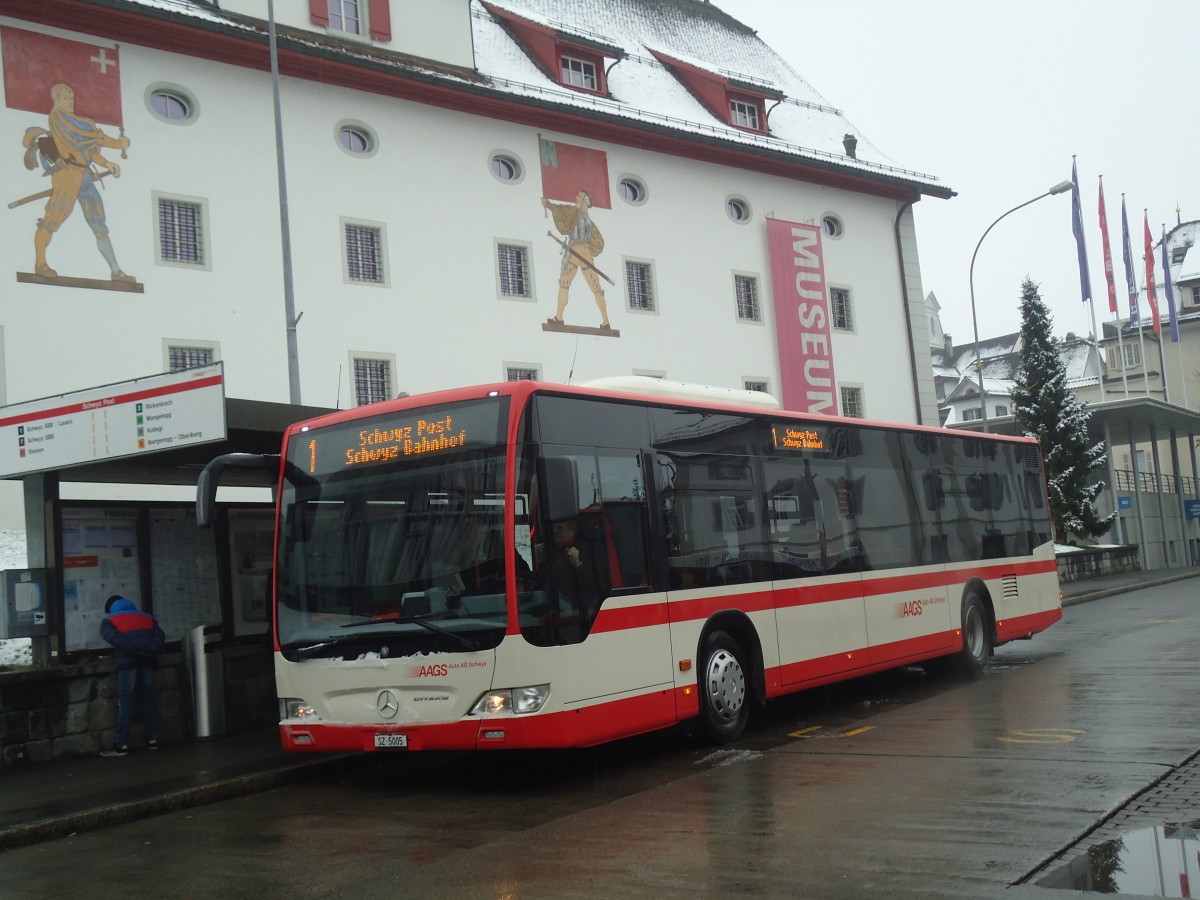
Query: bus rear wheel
[[976, 635], [724, 689]]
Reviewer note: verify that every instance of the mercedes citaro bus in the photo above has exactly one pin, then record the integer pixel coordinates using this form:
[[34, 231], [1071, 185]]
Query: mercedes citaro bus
[[536, 565]]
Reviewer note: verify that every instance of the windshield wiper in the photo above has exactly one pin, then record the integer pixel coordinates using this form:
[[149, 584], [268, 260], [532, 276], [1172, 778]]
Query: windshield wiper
[[423, 621]]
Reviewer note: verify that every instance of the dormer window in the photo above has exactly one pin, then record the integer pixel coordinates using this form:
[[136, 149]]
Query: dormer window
[[361, 18], [744, 114], [737, 100], [572, 57], [578, 73]]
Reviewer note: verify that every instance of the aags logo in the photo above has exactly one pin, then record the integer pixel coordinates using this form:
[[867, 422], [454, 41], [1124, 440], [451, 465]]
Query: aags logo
[[911, 608], [431, 671]]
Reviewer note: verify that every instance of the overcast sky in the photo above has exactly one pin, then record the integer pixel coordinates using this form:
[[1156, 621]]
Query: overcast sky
[[993, 99]]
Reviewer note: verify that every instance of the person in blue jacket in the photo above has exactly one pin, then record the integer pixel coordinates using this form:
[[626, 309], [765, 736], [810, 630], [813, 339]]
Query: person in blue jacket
[[137, 640]]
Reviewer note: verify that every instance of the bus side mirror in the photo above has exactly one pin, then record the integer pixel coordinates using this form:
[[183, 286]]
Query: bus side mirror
[[560, 487], [210, 478]]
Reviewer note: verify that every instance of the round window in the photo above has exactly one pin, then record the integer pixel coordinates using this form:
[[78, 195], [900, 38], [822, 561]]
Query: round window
[[505, 168], [356, 138], [632, 191], [738, 209], [832, 226], [171, 103]]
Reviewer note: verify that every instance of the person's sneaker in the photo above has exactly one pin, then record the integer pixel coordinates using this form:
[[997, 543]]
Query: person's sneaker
[[114, 750], [152, 744]]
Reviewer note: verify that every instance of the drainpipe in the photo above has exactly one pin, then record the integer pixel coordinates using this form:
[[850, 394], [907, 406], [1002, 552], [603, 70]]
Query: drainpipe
[[912, 354]]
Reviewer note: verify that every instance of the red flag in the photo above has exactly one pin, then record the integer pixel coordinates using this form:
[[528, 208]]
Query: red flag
[[34, 63], [567, 170], [1150, 292], [1108, 269]]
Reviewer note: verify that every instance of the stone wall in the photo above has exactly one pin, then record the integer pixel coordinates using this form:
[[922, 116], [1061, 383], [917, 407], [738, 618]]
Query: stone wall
[[70, 710], [1080, 564]]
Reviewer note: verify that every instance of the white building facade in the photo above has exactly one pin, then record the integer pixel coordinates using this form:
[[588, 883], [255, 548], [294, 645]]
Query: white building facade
[[419, 140]]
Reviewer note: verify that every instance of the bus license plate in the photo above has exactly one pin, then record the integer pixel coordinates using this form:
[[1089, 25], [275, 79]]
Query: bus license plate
[[391, 742]]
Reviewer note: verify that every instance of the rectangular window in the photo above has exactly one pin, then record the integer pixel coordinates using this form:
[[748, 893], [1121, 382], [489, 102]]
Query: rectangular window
[[578, 73], [852, 402], [1132, 356], [1001, 410], [745, 289], [1196, 296], [1177, 255], [743, 115], [520, 372], [512, 267], [639, 285], [345, 15], [180, 358], [364, 253], [181, 232], [970, 414], [372, 380], [756, 384], [839, 309]]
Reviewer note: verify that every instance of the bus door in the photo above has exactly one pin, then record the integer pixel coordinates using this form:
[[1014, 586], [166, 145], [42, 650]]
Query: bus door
[[899, 488], [590, 601], [817, 559]]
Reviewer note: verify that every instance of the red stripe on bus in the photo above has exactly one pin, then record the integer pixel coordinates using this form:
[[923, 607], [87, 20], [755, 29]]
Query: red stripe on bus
[[582, 727]]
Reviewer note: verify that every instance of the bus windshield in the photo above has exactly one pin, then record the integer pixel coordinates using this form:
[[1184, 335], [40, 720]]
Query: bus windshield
[[391, 535]]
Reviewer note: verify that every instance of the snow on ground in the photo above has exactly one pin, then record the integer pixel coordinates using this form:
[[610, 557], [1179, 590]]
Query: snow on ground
[[15, 651]]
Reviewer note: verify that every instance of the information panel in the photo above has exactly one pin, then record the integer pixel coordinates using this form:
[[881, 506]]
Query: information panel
[[160, 412]]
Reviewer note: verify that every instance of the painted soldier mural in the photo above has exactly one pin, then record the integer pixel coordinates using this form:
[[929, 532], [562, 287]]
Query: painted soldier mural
[[69, 153], [577, 177], [75, 85]]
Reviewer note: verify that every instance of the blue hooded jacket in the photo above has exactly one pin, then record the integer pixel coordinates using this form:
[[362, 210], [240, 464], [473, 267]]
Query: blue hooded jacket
[[135, 635]]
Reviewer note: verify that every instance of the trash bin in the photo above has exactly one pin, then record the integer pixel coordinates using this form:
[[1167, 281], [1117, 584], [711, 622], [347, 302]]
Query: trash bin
[[204, 667]]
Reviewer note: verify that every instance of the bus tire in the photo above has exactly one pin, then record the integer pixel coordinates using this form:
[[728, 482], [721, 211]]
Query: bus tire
[[724, 688], [976, 634]]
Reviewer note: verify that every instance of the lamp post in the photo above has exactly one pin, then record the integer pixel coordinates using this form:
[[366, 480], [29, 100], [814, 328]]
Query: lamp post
[[1061, 187]]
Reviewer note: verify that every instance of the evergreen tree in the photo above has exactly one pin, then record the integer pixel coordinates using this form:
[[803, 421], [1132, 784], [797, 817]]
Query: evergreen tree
[[1046, 410]]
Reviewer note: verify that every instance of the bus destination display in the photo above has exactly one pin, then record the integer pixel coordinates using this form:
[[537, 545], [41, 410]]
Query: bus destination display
[[423, 433], [790, 436]]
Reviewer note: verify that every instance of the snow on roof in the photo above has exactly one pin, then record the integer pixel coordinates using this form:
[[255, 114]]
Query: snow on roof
[[804, 126], [1189, 269]]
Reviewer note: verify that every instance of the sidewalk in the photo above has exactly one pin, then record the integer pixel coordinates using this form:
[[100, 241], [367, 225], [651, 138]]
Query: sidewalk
[[42, 801]]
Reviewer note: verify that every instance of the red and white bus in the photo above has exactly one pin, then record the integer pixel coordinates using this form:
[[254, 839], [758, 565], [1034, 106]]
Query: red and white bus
[[534, 565]]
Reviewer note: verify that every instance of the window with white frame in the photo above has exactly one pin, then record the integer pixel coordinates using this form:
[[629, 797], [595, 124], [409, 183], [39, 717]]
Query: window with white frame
[[521, 372], [181, 232], [578, 73], [1124, 356], [639, 285], [1196, 295], [512, 270], [840, 315], [183, 356], [970, 414], [743, 114], [852, 402], [1001, 409], [363, 250], [745, 292], [347, 16], [756, 384], [372, 379]]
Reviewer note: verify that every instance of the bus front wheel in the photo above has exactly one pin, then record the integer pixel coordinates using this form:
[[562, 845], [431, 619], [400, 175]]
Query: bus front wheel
[[976, 635], [724, 689]]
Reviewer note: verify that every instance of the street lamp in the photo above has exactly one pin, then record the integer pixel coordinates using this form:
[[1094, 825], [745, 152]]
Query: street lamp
[[1060, 188]]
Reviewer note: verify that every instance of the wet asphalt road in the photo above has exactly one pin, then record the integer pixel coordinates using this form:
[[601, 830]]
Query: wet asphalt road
[[901, 785]]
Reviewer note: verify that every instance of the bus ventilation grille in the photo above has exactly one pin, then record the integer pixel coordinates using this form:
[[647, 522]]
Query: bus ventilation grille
[[1010, 586], [1029, 458]]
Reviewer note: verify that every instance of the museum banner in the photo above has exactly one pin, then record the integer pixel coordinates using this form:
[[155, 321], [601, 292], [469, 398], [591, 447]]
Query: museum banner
[[802, 317]]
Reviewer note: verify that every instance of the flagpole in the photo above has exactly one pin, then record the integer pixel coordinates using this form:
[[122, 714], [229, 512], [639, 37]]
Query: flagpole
[[1112, 290]]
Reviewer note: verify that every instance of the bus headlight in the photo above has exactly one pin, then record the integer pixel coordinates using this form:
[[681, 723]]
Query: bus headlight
[[293, 708], [513, 701]]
